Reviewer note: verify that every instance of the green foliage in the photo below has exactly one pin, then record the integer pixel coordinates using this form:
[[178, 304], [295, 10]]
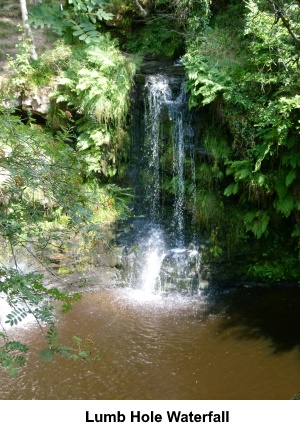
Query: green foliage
[[97, 84], [79, 16], [12, 355], [157, 38], [224, 224], [39, 175], [249, 76], [20, 66], [284, 268], [162, 30], [26, 295], [82, 349], [37, 170], [211, 57], [216, 145], [94, 82], [257, 222], [27, 74]]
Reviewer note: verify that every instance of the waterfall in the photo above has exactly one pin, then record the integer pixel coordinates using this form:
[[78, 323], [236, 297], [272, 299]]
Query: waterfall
[[163, 260], [153, 259], [180, 117], [163, 98], [158, 93]]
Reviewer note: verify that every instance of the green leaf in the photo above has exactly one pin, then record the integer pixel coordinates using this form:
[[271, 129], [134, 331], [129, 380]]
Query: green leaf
[[83, 36], [231, 189], [77, 340], [47, 354], [292, 175], [13, 372], [77, 32], [257, 222], [285, 204]]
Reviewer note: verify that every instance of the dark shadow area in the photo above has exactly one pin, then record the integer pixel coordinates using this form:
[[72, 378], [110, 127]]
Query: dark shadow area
[[272, 314]]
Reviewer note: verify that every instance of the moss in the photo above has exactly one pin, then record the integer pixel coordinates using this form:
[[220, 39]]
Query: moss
[[63, 270]]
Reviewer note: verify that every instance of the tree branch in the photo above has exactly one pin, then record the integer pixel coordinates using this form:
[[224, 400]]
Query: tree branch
[[279, 14]]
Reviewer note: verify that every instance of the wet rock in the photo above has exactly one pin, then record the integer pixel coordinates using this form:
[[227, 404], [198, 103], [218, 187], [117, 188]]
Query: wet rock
[[164, 66]]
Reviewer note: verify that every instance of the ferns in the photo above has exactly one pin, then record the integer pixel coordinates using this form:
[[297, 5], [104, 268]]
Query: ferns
[[253, 71], [93, 80], [99, 91], [257, 222]]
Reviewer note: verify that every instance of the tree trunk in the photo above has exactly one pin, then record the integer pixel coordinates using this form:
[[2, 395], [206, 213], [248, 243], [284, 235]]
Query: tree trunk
[[27, 28]]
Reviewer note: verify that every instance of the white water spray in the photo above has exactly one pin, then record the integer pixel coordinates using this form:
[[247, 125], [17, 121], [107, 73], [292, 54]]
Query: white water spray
[[158, 93], [154, 256], [164, 263]]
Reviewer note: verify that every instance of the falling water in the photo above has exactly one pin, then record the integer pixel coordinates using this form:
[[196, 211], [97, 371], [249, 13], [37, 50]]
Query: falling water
[[193, 188], [164, 260], [153, 257], [163, 98], [182, 134], [158, 93]]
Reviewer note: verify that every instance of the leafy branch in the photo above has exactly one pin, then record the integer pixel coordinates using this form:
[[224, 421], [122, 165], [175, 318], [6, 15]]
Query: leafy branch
[[41, 174], [281, 13], [80, 16]]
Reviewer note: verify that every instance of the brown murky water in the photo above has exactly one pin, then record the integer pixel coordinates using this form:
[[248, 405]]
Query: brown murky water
[[235, 345]]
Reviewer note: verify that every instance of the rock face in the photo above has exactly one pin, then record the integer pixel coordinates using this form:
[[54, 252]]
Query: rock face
[[78, 268], [37, 101]]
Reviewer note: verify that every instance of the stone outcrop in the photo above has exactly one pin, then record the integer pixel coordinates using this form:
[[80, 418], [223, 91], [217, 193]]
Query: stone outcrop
[[37, 101]]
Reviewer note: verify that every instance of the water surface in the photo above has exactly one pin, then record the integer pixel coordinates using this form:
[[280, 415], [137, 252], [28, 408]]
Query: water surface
[[239, 344]]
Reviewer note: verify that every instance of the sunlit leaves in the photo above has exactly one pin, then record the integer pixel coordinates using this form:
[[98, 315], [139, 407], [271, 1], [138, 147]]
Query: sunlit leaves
[[98, 86], [47, 14], [16, 316], [85, 31], [80, 16], [255, 85], [39, 171], [42, 178], [27, 295]]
